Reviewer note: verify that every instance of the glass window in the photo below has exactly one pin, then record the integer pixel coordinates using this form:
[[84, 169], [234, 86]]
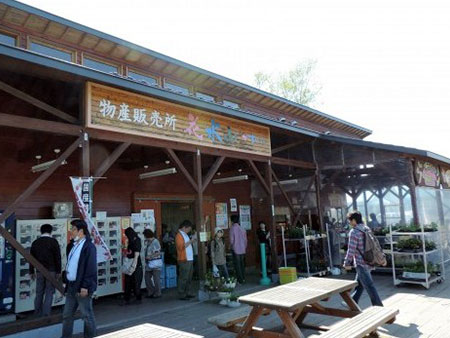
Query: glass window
[[50, 51], [176, 88], [102, 66], [137, 76], [204, 97], [7, 39], [230, 104]]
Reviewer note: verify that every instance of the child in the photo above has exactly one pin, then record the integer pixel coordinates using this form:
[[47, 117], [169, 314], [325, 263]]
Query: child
[[218, 251]]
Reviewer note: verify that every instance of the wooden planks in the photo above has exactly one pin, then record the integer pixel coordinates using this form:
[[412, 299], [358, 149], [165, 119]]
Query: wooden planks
[[149, 330], [361, 325]]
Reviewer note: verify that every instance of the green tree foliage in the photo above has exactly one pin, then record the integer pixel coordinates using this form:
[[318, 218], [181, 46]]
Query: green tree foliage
[[296, 85]]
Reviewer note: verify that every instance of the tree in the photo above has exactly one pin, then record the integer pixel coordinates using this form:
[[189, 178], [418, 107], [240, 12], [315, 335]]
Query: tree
[[297, 85]]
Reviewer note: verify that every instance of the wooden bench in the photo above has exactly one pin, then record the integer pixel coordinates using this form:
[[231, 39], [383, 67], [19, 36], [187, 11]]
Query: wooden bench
[[149, 330], [361, 325], [229, 320]]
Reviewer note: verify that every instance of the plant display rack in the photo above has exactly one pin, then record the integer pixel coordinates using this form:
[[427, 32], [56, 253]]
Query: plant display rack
[[307, 239], [422, 245]]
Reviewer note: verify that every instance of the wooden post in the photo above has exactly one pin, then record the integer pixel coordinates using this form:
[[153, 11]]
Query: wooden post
[[401, 198], [318, 187], [382, 208], [85, 160], [201, 226], [273, 229], [365, 206], [412, 191]]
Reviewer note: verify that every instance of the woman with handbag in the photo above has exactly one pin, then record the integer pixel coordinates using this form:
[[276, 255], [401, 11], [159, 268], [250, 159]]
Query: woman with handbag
[[153, 265], [132, 267]]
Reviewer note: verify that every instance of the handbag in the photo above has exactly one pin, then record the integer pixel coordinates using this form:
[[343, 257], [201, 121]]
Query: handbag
[[156, 263], [126, 266]]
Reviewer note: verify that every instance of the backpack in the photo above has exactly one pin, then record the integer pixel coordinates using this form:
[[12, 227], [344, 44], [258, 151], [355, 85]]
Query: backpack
[[373, 254]]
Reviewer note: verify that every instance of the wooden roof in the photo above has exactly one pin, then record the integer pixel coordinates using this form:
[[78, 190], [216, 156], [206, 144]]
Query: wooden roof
[[42, 24]]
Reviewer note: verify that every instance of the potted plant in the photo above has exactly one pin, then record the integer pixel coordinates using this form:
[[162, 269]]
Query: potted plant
[[416, 270], [230, 283], [234, 301], [224, 295]]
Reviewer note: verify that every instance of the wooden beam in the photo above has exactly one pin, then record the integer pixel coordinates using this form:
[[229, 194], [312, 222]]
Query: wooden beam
[[199, 213], [259, 176], [12, 208], [13, 121], [297, 217], [283, 192], [179, 146], [37, 103], [212, 171], [110, 160], [286, 146], [182, 168], [273, 229], [293, 163]]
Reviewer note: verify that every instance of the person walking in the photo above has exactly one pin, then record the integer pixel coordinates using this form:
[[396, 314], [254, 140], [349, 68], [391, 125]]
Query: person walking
[[133, 280], [238, 241], [81, 280], [185, 257], [153, 265], [354, 257], [47, 252], [218, 253]]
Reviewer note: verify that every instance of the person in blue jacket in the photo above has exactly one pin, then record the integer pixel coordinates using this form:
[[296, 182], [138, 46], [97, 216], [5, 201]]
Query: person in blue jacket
[[81, 280]]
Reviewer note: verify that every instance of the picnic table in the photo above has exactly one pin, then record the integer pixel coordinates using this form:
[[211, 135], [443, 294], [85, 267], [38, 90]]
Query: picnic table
[[294, 301], [149, 330]]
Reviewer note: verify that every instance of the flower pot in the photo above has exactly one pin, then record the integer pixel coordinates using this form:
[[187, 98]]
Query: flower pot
[[234, 304], [224, 297], [415, 275]]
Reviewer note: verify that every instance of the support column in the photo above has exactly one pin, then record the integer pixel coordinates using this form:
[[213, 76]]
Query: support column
[[402, 204], [412, 191], [201, 226], [273, 228], [85, 160], [382, 209]]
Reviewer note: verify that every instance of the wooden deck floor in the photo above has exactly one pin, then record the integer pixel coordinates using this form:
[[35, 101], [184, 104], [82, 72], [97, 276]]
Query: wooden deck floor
[[423, 313]]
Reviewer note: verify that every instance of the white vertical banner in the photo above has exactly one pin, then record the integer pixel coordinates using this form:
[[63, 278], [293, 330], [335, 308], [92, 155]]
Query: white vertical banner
[[82, 187]]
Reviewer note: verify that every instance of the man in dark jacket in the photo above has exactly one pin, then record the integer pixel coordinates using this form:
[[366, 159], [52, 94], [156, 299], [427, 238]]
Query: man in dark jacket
[[47, 252], [81, 279]]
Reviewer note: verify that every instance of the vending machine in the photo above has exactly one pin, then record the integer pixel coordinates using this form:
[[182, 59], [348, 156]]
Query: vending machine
[[7, 269]]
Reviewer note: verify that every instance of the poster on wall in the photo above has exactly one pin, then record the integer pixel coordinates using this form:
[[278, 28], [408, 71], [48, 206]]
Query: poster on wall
[[445, 177], [427, 174], [244, 217], [222, 215], [148, 218], [233, 205]]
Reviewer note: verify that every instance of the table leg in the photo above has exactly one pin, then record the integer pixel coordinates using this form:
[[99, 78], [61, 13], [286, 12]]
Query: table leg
[[290, 324], [250, 321], [350, 302], [300, 315]]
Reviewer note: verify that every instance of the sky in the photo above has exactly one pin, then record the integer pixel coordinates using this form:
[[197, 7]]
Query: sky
[[383, 65]]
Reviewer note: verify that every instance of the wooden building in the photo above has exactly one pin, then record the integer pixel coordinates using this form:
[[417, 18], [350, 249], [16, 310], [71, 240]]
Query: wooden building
[[118, 110]]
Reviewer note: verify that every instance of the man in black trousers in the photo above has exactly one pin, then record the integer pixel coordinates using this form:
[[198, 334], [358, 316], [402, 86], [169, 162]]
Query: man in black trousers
[[47, 252]]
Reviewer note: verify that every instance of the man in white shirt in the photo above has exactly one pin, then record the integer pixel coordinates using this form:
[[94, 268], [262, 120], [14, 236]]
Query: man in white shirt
[[81, 280]]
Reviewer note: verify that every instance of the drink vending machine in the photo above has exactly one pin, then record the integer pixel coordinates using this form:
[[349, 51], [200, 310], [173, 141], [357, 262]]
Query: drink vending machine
[[7, 269]]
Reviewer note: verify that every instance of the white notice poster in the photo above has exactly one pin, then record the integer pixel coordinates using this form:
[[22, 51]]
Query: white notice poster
[[245, 217]]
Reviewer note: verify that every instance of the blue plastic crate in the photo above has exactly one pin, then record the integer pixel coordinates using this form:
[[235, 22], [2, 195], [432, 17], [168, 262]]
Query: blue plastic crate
[[171, 271], [171, 283]]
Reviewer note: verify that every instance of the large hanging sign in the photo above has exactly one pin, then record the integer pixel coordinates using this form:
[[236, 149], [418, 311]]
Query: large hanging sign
[[427, 174], [82, 188], [445, 177], [121, 111]]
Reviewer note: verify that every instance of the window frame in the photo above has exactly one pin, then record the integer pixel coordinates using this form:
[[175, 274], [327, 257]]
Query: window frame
[[49, 44], [143, 73], [179, 84], [118, 66], [15, 36]]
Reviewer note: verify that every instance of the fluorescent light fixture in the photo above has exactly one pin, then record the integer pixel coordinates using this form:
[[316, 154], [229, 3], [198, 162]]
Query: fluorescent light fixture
[[156, 173], [44, 166], [282, 119], [230, 179], [294, 181]]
